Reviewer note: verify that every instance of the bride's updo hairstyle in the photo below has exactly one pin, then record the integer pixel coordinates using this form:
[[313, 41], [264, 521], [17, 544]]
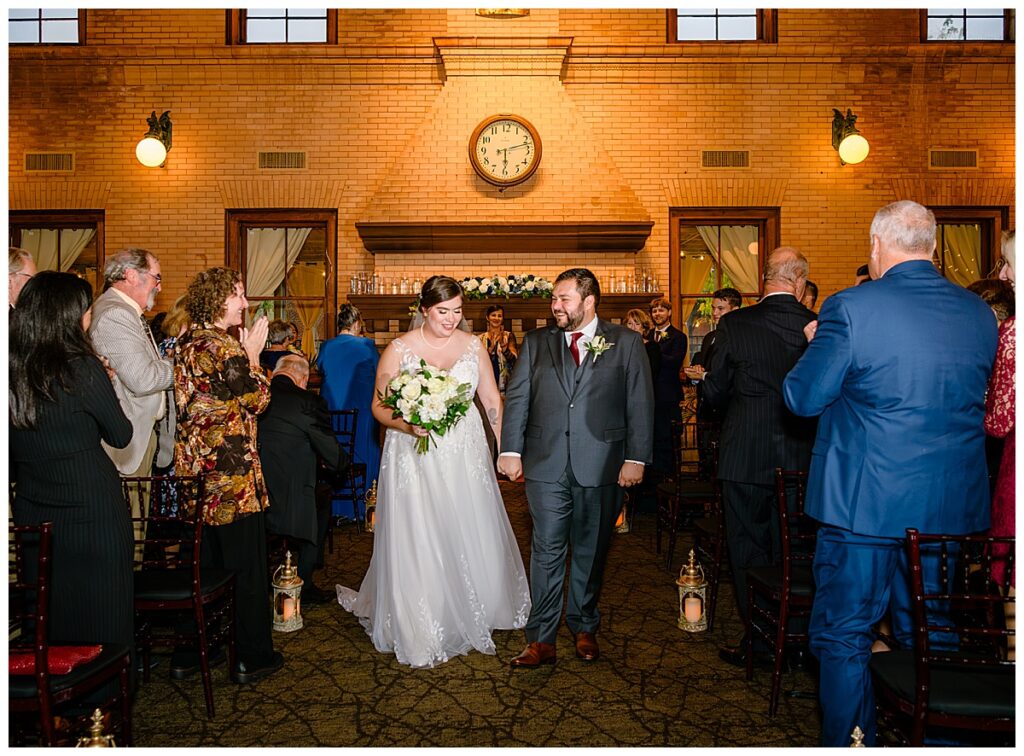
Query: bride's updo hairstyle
[[438, 289]]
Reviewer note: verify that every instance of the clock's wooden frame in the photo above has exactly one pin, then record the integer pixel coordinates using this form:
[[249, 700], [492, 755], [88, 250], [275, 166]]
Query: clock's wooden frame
[[474, 161]]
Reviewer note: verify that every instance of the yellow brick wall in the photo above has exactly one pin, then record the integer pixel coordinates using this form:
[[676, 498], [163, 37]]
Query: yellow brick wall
[[634, 110]]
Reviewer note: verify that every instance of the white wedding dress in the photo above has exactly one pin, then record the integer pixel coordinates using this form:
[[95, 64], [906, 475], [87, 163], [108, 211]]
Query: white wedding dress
[[446, 569]]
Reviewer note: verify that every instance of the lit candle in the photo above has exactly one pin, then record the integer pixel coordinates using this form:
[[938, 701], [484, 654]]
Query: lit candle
[[691, 610], [288, 608]]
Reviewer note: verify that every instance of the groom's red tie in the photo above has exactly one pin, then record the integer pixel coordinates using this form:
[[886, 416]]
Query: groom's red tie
[[574, 346]]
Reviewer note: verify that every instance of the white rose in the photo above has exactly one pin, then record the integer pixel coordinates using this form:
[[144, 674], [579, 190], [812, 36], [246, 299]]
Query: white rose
[[412, 391], [435, 407], [530, 286], [472, 285], [436, 386], [485, 287], [502, 283], [405, 408]]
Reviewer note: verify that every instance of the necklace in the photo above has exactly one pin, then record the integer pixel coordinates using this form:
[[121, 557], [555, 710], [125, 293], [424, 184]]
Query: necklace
[[424, 337]]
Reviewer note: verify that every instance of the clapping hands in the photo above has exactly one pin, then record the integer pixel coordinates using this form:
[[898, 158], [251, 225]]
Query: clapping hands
[[253, 339]]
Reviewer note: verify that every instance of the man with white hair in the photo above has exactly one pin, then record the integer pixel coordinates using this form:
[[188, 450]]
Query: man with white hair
[[754, 349], [20, 268], [120, 333], [897, 368], [294, 431]]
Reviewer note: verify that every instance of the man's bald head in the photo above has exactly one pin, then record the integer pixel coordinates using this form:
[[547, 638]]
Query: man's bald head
[[295, 367], [786, 271]]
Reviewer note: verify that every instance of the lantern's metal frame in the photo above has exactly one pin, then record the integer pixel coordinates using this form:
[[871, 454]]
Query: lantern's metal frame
[[289, 586], [692, 584]]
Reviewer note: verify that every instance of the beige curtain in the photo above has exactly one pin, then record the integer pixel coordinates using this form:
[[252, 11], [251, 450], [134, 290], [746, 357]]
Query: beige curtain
[[42, 243], [962, 253], [307, 281], [265, 259], [737, 259]]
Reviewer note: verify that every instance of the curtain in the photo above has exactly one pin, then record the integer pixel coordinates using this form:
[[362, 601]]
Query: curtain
[[265, 260], [307, 281], [961, 253], [737, 260], [42, 243]]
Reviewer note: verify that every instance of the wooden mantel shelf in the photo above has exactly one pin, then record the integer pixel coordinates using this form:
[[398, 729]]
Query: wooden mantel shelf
[[378, 309], [622, 237]]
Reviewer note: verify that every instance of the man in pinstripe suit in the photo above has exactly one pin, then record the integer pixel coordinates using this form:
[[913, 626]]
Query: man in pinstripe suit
[[754, 349], [119, 333]]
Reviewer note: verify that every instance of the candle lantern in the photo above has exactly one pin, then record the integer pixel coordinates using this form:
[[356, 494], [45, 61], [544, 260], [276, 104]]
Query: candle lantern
[[692, 597], [371, 507], [287, 587], [96, 738], [622, 524]]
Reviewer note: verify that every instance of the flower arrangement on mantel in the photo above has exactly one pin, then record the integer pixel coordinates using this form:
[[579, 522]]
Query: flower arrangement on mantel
[[524, 286]]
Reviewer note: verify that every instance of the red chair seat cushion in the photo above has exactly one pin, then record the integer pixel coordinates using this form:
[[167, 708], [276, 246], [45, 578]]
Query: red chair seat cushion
[[59, 659]]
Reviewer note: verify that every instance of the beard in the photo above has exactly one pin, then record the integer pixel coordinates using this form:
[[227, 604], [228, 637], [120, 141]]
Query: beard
[[573, 319], [151, 299]]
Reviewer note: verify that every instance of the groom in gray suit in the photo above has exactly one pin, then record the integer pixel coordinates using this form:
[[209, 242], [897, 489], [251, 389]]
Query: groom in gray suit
[[578, 422]]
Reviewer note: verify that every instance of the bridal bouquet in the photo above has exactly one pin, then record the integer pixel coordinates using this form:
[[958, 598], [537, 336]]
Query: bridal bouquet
[[428, 397]]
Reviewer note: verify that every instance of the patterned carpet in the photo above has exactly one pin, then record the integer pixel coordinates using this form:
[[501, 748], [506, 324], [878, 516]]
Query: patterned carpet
[[654, 685]]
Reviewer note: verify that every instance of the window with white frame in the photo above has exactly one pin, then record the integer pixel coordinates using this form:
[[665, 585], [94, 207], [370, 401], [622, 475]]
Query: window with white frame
[[721, 25], [967, 25], [283, 26]]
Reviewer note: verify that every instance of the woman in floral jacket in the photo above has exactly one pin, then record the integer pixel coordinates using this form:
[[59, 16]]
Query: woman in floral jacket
[[219, 390]]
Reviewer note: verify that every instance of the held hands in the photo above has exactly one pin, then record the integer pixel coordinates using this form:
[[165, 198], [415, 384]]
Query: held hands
[[810, 329], [695, 372], [511, 466], [630, 474], [254, 338]]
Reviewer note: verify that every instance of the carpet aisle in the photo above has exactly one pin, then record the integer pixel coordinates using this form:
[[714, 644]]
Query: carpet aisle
[[654, 685]]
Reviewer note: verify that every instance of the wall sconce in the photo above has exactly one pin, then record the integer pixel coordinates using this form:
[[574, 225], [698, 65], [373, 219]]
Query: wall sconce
[[846, 140], [152, 149], [503, 12]]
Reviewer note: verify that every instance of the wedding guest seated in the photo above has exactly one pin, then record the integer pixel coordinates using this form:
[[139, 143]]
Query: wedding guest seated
[[219, 390], [62, 405], [348, 364], [294, 431], [20, 269], [279, 337]]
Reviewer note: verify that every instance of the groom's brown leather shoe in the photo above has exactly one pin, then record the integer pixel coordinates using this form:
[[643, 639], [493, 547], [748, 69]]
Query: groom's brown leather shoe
[[534, 655], [586, 646]]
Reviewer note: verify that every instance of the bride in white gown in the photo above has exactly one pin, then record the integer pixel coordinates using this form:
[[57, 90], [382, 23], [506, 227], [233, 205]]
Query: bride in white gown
[[446, 569]]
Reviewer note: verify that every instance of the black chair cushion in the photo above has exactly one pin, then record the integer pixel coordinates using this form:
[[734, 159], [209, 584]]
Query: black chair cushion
[[959, 690], [24, 686], [801, 584], [176, 585]]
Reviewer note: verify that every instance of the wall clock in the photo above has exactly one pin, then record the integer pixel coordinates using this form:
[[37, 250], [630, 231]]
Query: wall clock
[[505, 149]]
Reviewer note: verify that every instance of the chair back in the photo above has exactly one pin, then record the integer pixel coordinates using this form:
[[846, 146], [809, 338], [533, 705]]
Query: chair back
[[959, 605], [798, 532], [344, 423], [689, 460], [168, 530], [30, 553]]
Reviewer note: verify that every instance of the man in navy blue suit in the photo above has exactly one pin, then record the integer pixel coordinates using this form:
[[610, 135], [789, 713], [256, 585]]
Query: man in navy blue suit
[[897, 368]]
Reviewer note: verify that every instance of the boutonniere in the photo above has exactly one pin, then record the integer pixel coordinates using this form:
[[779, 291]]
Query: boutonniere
[[598, 346]]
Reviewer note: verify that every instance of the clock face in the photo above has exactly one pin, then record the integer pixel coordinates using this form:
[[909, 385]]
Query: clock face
[[505, 150]]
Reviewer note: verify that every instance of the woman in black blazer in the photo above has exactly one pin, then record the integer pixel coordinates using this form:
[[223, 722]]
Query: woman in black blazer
[[62, 405]]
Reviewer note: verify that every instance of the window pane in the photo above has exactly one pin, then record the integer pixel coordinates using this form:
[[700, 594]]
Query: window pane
[[23, 13], [265, 13], [61, 13], [945, 28], [307, 31], [697, 11], [739, 257], [988, 12], [985, 28], [23, 31], [60, 31], [696, 28], [308, 13], [264, 31], [961, 252], [737, 28], [738, 11]]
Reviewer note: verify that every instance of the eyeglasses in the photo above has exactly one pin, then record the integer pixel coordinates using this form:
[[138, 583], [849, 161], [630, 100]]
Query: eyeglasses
[[999, 266], [156, 277], [19, 273]]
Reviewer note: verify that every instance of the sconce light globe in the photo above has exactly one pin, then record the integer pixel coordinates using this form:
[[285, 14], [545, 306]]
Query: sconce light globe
[[853, 149], [151, 152]]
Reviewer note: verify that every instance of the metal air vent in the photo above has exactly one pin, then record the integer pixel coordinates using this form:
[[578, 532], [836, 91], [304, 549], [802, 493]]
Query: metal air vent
[[725, 159], [282, 160], [49, 162], [952, 160]]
